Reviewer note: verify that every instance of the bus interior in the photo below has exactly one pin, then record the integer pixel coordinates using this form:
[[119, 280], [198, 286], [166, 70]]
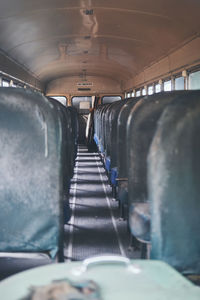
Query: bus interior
[[99, 140]]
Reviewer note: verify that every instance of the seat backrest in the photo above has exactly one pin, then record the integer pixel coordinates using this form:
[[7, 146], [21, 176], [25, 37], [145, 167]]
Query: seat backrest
[[106, 128], [67, 143], [173, 185], [113, 132], [103, 127], [31, 208], [121, 149], [141, 127], [74, 121]]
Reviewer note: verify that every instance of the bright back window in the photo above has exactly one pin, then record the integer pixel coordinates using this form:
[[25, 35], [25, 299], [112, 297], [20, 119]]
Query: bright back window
[[61, 99], [194, 81], [110, 99], [82, 103]]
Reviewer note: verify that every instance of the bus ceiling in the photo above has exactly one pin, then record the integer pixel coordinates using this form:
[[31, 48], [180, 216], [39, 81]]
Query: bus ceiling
[[66, 47]]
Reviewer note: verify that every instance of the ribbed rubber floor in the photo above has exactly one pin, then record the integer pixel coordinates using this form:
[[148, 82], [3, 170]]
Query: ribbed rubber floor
[[94, 228]]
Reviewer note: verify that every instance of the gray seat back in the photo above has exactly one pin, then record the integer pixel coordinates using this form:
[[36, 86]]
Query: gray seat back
[[173, 183], [31, 212]]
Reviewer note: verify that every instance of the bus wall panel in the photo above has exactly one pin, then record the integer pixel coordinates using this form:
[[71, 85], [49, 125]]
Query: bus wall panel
[[183, 58], [97, 85], [10, 67]]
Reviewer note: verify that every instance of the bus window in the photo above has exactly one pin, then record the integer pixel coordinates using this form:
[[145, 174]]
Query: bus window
[[158, 88], [61, 99], [179, 83], [110, 99], [138, 93], [144, 92], [168, 86], [150, 90], [82, 103], [5, 83], [194, 81], [133, 94]]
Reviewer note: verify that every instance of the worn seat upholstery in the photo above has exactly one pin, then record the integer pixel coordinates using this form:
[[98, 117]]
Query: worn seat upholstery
[[141, 127], [68, 152], [121, 154], [31, 206], [173, 183]]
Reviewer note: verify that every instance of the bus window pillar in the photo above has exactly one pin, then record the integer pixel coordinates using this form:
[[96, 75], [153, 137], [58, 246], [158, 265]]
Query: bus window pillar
[[146, 89], [173, 83], [1, 81], [153, 88], [186, 81], [161, 82]]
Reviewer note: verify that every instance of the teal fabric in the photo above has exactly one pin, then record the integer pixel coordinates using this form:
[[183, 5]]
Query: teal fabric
[[173, 181], [31, 212]]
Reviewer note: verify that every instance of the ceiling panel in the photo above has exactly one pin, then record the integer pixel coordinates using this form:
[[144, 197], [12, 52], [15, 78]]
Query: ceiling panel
[[61, 38]]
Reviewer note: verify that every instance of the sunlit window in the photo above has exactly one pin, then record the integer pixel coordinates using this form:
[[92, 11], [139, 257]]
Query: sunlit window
[[133, 94], [194, 81], [168, 86], [144, 92], [158, 88], [110, 99], [61, 99], [82, 103], [150, 90], [138, 93], [179, 83], [5, 83]]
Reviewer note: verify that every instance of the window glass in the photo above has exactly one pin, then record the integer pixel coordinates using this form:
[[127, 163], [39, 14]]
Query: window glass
[[150, 90], [179, 83], [61, 99], [138, 93], [133, 94], [194, 81], [82, 103], [144, 92], [5, 83], [158, 88], [110, 99], [167, 85]]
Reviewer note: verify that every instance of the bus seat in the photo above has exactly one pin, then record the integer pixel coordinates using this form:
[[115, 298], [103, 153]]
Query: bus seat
[[75, 129], [113, 143], [68, 149], [31, 207], [108, 123], [173, 181], [141, 128], [113, 134], [121, 150]]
